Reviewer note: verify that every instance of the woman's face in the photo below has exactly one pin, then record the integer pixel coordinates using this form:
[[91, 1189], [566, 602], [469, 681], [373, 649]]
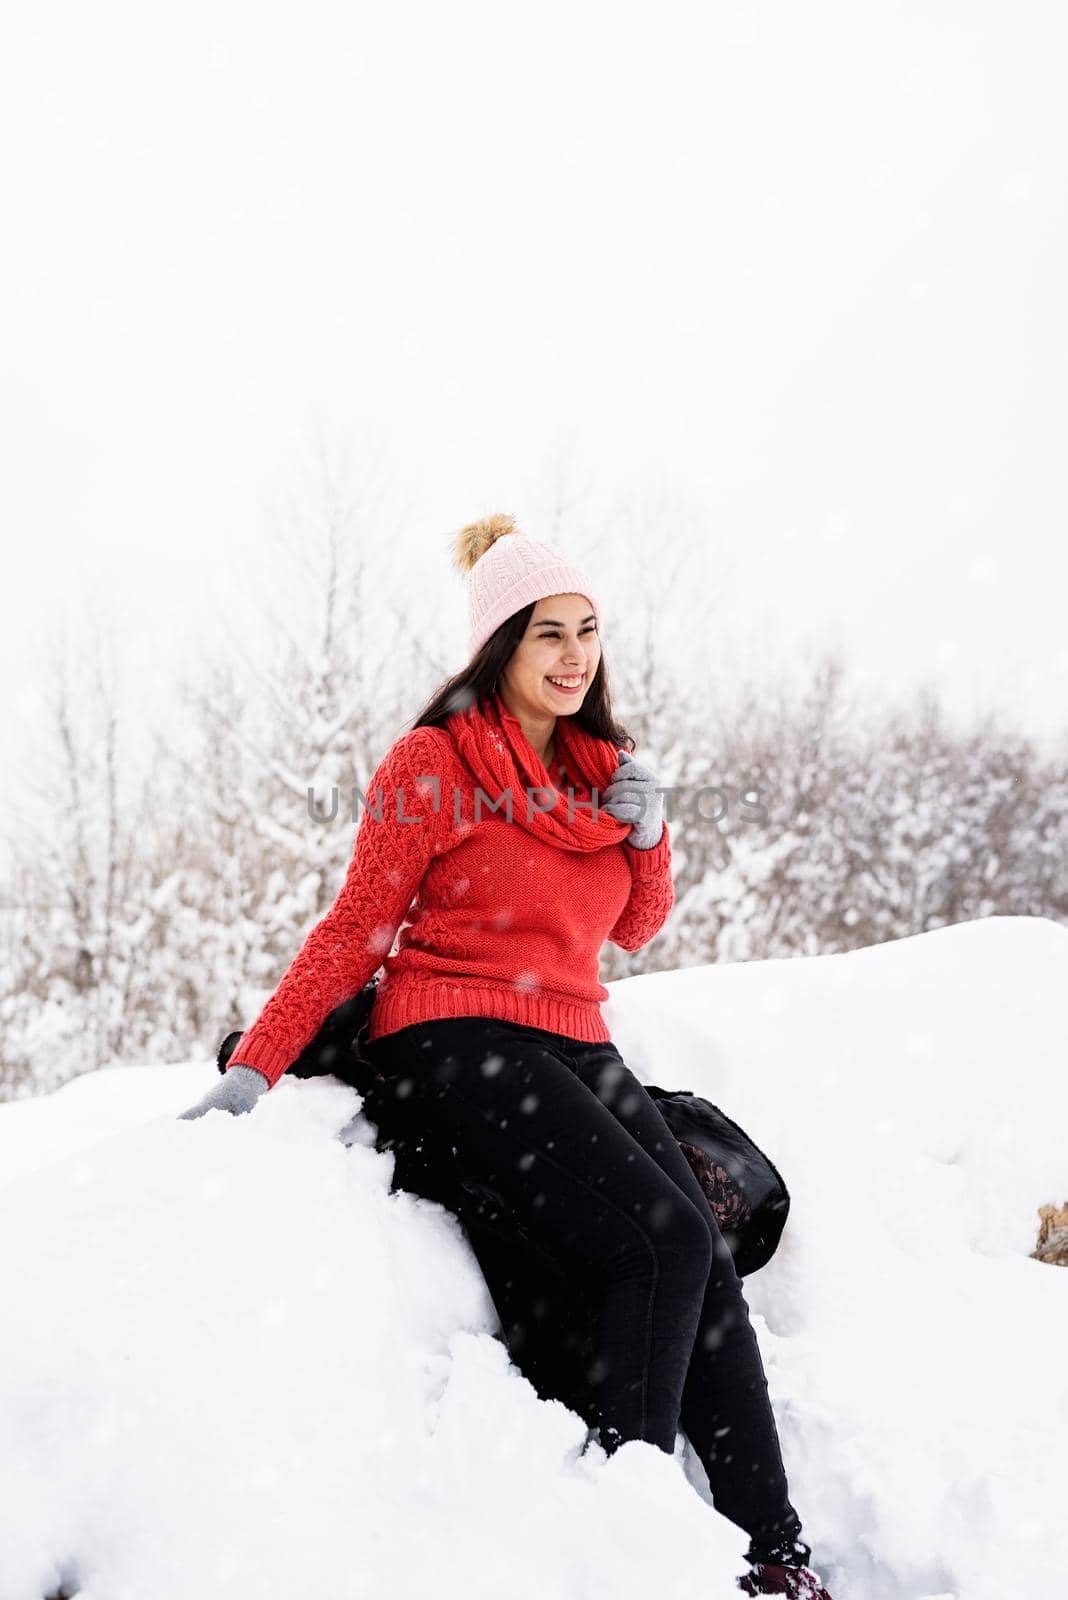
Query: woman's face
[[561, 641]]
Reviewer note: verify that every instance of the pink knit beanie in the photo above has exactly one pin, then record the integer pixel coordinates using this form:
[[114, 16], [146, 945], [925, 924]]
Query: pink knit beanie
[[506, 571]]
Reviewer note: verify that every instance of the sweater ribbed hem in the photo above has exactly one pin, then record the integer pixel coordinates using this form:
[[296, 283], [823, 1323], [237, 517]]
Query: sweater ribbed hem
[[432, 1001]]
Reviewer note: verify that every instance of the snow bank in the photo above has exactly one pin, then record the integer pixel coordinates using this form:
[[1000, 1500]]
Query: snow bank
[[233, 1364]]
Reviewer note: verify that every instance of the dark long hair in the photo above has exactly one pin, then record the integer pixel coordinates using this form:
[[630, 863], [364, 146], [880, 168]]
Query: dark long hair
[[480, 676]]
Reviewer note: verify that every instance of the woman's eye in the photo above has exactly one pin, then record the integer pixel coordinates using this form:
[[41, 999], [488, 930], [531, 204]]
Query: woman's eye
[[554, 633]]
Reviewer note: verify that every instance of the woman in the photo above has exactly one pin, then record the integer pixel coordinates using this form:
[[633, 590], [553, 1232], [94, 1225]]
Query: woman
[[510, 835]]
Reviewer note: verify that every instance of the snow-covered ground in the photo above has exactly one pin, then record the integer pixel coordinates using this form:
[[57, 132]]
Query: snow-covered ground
[[233, 1364]]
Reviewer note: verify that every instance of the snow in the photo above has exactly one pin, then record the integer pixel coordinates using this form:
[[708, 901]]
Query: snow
[[232, 1363]]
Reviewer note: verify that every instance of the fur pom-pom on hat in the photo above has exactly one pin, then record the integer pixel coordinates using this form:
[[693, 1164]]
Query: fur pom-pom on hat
[[504, 574], [473, 541]]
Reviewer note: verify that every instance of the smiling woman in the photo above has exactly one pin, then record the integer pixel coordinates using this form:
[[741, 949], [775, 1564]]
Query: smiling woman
[[500, 921]]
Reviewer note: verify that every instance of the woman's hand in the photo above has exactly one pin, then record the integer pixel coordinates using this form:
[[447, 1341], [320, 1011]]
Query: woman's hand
[[236, 1091], [631, 797]]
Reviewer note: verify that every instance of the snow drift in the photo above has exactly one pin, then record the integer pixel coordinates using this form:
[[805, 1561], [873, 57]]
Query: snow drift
[[232, 1363]]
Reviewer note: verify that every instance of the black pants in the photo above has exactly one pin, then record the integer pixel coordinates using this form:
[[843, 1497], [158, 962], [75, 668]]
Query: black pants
[[568, 1136]]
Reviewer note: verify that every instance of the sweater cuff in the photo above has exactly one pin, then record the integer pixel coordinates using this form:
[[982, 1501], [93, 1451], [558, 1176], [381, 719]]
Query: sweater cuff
[[261, 1055], [647, 863]]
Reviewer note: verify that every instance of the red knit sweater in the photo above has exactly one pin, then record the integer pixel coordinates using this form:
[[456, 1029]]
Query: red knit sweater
[[496, 921]]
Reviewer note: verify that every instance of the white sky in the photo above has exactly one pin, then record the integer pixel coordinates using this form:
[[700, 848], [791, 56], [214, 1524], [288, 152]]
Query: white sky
[[802, 266]]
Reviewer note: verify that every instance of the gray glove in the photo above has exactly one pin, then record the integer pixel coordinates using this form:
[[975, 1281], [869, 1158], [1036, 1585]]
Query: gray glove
[[236, 1091], [631, 797]]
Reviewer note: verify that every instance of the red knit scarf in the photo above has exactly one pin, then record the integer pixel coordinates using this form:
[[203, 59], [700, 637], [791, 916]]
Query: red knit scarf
[[491, 741]]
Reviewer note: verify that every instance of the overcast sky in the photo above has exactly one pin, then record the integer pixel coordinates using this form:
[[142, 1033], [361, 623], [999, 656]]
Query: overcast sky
[[800, 266]]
